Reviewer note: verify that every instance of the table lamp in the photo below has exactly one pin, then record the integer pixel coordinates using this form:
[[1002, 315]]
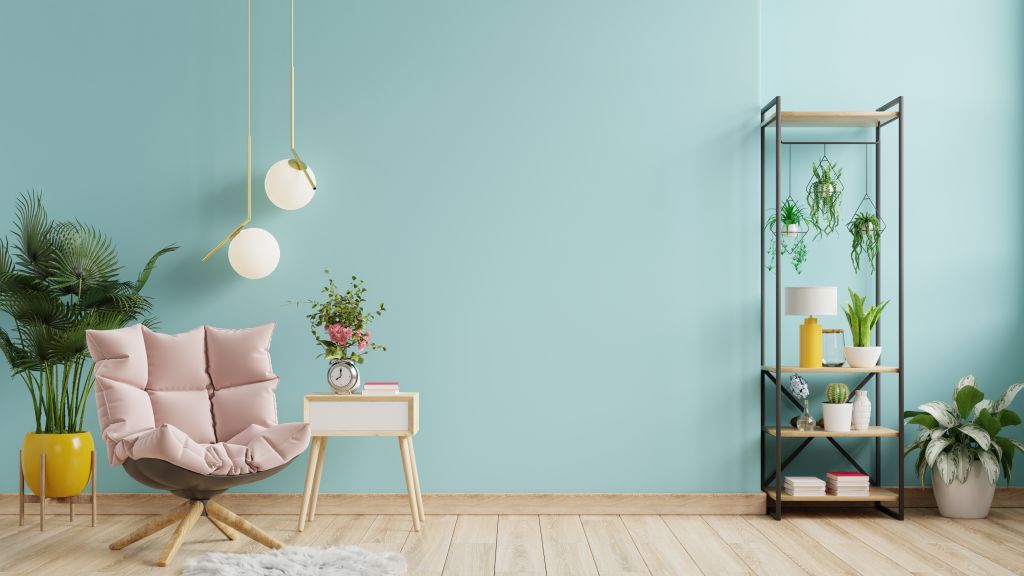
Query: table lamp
[[811, 301]]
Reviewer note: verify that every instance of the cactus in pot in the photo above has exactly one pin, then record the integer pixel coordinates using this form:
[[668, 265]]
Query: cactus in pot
[[838, 413]]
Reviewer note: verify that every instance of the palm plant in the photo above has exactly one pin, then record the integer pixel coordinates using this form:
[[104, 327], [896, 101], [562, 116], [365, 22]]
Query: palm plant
[[953, 437], [57, 280]]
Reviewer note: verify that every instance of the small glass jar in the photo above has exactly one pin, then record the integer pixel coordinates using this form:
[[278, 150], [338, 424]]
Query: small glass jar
[[833, 343], [805, 422]]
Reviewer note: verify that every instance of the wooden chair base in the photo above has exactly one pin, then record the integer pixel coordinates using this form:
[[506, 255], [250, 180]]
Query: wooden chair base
[[186, 515], [42, 499]]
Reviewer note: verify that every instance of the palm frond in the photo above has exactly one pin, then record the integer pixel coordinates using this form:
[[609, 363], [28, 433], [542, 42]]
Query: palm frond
[[148, 269], [86, 258], [35, 235]]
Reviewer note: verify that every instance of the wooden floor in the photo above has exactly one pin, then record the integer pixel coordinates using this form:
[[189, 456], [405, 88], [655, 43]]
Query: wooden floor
[[830, 543]]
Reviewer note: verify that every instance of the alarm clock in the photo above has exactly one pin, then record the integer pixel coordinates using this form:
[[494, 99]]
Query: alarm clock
[[343, 376]]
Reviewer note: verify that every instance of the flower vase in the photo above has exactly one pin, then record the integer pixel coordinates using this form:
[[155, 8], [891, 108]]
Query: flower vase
[[861, 410], [806, 422]]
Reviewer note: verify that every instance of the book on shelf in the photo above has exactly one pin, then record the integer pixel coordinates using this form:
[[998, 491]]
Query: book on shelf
[[804, 486], [380, 388], [848, 484]]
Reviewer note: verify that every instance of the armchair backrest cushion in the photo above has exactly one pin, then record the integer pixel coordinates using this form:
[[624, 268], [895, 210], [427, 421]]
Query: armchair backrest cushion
[[210, 383]]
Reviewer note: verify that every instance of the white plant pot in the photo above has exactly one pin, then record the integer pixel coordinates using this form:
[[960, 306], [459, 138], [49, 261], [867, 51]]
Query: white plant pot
[[837, 416], [861, 410], [972, 499], [791, 230], [862, 356]]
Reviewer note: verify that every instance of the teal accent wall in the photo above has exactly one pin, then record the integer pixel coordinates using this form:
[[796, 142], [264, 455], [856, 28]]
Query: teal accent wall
[[556, 201], [546, 195]]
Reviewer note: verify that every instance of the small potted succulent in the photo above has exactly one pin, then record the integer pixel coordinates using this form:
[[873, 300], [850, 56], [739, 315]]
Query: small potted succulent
[[824, 197], [792, 217], [961, 445], [836, 411], [866, 230], [862, 354]]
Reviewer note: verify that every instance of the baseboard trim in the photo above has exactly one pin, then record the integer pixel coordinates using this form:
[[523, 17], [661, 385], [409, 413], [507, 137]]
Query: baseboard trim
[[475, 503]]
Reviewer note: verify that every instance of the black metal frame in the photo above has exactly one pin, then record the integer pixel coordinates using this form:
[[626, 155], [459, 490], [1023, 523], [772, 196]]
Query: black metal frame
[[775, 376]]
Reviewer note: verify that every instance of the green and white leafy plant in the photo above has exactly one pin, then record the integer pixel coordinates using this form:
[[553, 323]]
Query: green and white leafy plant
[[792, 218], [953, 437]]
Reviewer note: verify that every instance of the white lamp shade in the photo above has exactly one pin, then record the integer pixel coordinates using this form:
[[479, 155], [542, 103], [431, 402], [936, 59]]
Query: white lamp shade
[[811, 301], [254, 253], [287, 187]]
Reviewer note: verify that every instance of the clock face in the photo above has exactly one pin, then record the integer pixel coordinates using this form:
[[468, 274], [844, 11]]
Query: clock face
[[342, 377]]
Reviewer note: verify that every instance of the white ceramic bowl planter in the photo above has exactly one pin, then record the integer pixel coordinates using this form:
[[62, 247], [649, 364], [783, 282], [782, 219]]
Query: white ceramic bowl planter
[[862, 356], [837, 416], [970, 499], [792, 230]]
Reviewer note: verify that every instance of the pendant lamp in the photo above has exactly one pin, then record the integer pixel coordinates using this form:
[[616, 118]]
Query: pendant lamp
[[290, 183], [253, 252]]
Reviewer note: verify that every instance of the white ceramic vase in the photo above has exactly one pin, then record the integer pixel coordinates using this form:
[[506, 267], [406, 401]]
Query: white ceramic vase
[[862, 356], [837, 416], [861, 410], [791, 230], [971, 499]]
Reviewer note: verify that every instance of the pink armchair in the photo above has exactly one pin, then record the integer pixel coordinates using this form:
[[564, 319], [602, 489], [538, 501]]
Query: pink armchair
[[195, 414]]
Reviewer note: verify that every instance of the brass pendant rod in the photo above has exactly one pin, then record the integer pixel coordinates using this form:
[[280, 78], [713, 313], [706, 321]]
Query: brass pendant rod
[[248, 143], [297, 164]]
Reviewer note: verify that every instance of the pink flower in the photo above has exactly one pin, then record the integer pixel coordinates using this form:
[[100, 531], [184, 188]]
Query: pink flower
[[364, 341], [339, 333]]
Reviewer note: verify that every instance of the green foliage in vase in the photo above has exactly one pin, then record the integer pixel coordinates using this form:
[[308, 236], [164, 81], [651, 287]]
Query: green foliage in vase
[[824, 197], [790, 213], [342, 319], [837, 393], [953, 437], [862, 321], [866, 230], [57, 280]]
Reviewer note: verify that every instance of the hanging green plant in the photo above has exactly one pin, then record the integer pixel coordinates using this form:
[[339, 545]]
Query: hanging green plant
[[866, 230], [792, 229], [824, 197]]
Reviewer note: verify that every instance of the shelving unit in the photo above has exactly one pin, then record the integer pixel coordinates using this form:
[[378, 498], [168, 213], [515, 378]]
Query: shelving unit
[[889, 501]]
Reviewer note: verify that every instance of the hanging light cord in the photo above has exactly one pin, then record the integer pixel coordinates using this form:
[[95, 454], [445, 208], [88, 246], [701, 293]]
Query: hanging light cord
[[248, 143], [297, 163]]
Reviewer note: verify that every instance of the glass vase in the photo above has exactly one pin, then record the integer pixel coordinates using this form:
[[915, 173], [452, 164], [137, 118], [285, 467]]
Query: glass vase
[[806, 422], [833, 346]]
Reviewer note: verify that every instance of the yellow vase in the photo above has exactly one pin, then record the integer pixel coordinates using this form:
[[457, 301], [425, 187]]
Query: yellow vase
[[68, 462]]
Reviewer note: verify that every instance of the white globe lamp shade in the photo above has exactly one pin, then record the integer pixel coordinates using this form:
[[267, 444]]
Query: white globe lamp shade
[[287, 187], [254, 253]]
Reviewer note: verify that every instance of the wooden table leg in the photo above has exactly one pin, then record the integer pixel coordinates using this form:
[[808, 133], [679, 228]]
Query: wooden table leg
[[409, 482], [416, 479], [21, 492], [316, 477], [310, 473]]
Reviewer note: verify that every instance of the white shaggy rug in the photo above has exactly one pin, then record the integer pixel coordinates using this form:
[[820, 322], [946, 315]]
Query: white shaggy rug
[[296, 561]]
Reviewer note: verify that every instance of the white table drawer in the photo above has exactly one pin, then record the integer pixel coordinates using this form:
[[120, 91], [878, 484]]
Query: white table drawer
[[336, 415]]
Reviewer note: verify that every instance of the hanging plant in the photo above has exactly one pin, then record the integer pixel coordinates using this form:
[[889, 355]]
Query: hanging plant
[[866, 230], [824, 197], [792, 229]]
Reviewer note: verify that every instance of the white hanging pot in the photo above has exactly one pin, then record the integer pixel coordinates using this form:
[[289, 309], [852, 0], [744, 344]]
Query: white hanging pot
[[970, 499], [824, 188], [791, 230], [838, 417], [862, 356]]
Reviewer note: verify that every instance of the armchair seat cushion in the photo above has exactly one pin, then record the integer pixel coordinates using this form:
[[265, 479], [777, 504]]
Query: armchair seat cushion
[[256, 449]]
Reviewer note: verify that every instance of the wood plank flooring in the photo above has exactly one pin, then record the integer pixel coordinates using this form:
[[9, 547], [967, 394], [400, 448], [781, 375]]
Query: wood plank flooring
[[805, 542]]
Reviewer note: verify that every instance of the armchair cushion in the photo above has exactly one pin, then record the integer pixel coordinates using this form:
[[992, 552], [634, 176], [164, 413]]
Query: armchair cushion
[[202, 400]]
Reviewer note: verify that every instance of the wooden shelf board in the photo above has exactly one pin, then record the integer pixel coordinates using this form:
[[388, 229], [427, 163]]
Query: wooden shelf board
[[871, 432], [875, 494], [835, 119], [836, 370]]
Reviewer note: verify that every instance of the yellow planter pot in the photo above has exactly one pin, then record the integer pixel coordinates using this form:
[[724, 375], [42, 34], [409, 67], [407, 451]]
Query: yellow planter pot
[[68, 462]]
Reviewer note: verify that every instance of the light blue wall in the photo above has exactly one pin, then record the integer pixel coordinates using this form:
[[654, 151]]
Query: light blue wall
[[552, 198], [960, 67]]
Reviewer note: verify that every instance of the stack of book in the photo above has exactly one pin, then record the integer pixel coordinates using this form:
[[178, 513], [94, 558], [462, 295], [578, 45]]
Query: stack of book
[[804, 486], [380, 388], [848, 484]]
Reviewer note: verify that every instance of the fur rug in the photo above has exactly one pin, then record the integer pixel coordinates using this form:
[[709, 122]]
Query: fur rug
[[296, 561]]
